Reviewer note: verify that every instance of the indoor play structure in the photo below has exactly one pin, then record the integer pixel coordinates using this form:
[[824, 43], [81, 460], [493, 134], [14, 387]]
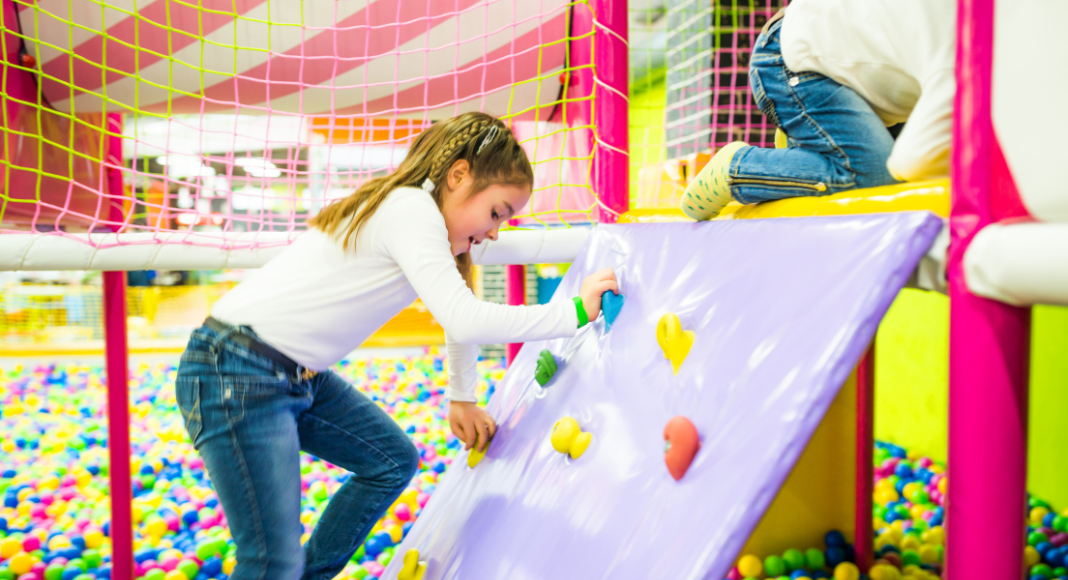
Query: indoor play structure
[[193, 136]]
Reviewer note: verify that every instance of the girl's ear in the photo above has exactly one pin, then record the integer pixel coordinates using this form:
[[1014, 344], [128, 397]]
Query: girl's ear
[[459, 171]]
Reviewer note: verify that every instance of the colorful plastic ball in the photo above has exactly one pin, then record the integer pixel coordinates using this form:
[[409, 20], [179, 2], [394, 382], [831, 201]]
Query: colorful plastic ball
[[228, 565], [794, 559], [834, 538], [846, 571], [814, 559], [774, 566], [1042, 569], [20, 563], [54, 572], [750, 566], [189, 568]]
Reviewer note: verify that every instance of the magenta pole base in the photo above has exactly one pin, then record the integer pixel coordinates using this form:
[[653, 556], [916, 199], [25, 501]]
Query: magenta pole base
[[121, 529], [863, 542], [515, 290]]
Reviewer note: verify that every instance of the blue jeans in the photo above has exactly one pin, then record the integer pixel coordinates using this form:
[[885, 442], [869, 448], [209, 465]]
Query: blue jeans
[[836, 141], [249, 421]]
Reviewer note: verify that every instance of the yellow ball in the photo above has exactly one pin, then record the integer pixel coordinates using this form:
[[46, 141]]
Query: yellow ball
[[58, 542], [750, 566], [1031, 556], [175, 575], [930, 554], [94, 539], [846, 571], [910, 543], [942, 483], [396, 533], [156, 528], [228, 565], [884, 572], [917, 512], [83, 479], [20, 563], [935, 535], [9, 547], [886, 495]]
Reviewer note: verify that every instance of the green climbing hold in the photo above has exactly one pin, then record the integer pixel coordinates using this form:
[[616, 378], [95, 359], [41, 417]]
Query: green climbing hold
[[545, 368]]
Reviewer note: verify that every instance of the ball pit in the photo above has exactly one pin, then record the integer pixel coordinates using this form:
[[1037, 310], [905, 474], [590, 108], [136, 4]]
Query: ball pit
[[53, 481], [53, 472], [908, 514]]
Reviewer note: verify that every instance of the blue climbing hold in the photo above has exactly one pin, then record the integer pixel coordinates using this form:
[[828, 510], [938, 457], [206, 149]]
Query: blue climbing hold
[[611, 304]]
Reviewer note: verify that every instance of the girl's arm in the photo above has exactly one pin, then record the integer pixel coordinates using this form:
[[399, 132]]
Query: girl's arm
[[412, 231]]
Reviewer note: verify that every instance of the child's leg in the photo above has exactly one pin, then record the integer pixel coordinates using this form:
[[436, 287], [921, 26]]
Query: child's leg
[[242, 417], [836, 141], [348, 429]]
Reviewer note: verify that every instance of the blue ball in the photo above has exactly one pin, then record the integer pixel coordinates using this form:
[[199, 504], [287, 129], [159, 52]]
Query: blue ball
[[147, 470], [212, 566], [1042, 548], [71, 573], [9, 473], [801, 573], [1048, 520], [1033, 577], [190, 517], [374, 546], [77, 541], [104, 572], [11, 501], [903, 470], [835, 556], [834, 538]]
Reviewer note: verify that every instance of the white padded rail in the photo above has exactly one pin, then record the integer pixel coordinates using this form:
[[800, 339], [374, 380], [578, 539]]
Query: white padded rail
[[191, 251], [1021, 264], [1028, 40]]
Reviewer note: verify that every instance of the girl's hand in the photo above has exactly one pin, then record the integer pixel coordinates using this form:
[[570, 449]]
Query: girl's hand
[[593, 286], [471, 424]]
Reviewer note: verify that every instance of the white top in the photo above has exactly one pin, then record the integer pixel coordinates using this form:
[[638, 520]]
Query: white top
[[317, 301], [898, 55]]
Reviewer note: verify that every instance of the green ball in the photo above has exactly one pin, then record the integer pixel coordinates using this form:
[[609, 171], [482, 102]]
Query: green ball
[[384, 558], [794, 559], [910, 557], [1060, 523], [774, 566], [155, 574], [92, 558], [53, 572], [148, 481], [814, 559], [77, 563], [6, 574], [360, 573], [206, 550], [189, 568], [1042, 570], [1062, 571], [1036, 538], [360, 553], [85, 577]]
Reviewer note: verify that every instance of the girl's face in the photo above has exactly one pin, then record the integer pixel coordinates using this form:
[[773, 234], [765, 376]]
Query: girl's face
[[473, 219]]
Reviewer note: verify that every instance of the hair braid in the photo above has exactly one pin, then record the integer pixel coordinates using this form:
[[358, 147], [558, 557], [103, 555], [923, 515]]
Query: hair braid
[[454, 144]]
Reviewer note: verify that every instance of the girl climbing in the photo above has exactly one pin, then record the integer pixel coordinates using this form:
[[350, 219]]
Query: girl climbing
[[254, 387], [839, 78]]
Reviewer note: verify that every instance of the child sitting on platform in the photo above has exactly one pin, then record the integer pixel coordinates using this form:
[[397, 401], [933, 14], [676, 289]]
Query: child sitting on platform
[[838, 77]]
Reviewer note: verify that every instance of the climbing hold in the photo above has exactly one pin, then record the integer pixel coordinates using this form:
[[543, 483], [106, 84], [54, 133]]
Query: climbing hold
[[611, 304], [546, 367], [568, 438], [674, 341], [474, 456], [413, 569], [680, 445]]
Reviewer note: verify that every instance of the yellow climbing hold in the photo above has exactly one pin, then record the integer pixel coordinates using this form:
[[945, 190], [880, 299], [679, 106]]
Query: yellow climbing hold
[[413, 569], [568, 438], [674, 341]]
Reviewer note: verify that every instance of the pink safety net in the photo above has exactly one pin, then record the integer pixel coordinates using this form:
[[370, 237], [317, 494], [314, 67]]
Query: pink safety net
[[222, 117]]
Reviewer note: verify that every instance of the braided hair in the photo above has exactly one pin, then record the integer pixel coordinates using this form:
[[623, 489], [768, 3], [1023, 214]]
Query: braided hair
[[487, 144]]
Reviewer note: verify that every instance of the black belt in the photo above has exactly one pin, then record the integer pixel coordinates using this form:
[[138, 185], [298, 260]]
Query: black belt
[[288, 365]]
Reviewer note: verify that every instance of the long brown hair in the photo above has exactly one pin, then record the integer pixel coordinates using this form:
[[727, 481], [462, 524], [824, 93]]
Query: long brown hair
[[486, 143]]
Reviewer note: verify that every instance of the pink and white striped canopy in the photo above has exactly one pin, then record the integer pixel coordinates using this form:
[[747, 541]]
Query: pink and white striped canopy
[[397, 58]]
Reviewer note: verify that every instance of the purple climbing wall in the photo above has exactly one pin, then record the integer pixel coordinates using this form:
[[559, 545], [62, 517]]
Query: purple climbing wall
[[782, 310]]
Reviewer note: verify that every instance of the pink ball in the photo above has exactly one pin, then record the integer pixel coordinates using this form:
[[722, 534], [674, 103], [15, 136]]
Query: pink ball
[[67, 493], [924, 462], [47, 498], [31, 543], [37, 511], [149, 565], [196, 463], [68, 481], [81, 523], [1059, 539], [168, 563], [402, 512], [173, 523], [39, 568], [422, 498], [29, 576], [734, 574], [374, 568]]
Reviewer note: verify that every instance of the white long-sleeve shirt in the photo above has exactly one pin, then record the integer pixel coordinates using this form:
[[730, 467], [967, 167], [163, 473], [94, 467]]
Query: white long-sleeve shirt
[[317, 301], [898, 55]]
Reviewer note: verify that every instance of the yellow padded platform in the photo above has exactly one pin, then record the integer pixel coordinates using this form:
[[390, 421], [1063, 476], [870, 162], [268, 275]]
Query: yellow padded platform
[[922, 195]]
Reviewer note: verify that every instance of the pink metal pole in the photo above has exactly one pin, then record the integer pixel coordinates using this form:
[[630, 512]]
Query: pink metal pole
[[117, 353], [989, 341], [863, 543], [515, 290], [611, 170]]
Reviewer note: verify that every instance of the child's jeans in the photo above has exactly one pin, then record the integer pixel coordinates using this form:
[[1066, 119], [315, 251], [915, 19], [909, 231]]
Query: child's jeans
[[836, 141], [249, 421]]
